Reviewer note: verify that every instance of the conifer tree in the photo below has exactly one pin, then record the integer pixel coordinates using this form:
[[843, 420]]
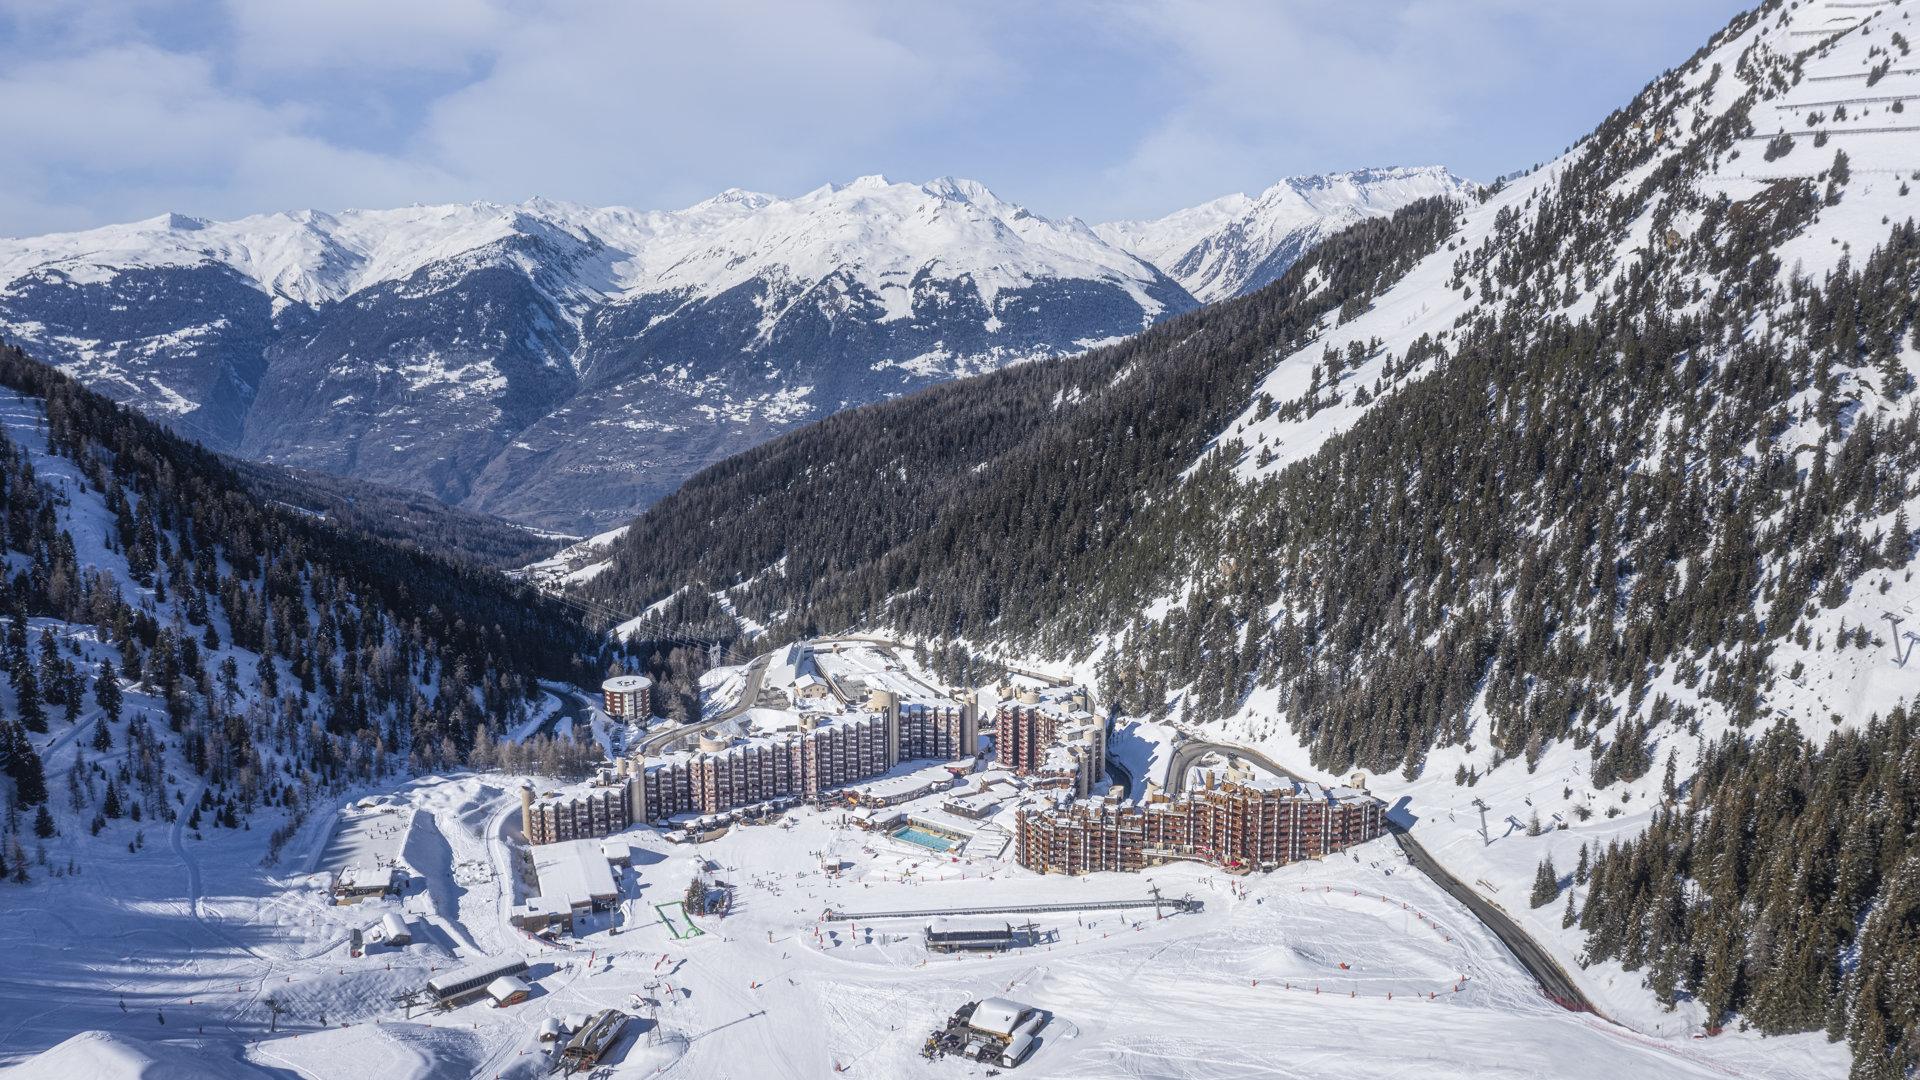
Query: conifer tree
[[106, 689], [21, 764], [1546, 884]]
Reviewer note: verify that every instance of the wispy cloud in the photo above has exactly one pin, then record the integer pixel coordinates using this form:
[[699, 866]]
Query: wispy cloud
[[1095, 107]]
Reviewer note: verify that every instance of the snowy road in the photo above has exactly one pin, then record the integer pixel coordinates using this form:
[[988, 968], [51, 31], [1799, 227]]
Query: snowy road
[[1535, 959], [655, 742]]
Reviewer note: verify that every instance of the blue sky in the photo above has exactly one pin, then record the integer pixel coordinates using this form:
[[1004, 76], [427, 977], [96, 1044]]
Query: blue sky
[[113, 110]]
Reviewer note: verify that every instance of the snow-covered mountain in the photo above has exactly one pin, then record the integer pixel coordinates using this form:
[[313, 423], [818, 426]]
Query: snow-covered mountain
[[1238, 243], [561, 364]]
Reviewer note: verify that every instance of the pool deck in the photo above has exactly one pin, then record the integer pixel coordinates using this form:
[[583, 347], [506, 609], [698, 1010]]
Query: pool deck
[[929, 839]]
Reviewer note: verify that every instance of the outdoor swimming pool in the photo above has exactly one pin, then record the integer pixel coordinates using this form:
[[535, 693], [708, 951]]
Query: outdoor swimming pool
[[913, 834]]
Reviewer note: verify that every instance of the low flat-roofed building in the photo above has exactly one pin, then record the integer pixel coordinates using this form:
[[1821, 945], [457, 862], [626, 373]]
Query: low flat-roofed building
[[360, 882], [452, 987], [946, 933], [876, 817], [575, 879], [893, 790]]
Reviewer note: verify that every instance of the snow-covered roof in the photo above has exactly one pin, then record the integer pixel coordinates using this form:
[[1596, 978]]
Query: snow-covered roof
[[1017, 1048], [900, 787], [954, 924], [789, 664], [573, 872], [499, 965], [998, 1016], [361, 876], [507, 986], [626, 684]]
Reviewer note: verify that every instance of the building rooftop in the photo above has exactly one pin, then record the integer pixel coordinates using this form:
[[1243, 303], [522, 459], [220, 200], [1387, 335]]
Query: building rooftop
[[866, 668], [980, 803], [914, 783], [789, 664], [768, 727], [959, 924], [998, 1016], [626, 684], [572, 874], [361, 876], [507, 986]]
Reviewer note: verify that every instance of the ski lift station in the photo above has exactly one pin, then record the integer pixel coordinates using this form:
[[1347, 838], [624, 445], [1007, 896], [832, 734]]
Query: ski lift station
[[451, 988], [947, 933]]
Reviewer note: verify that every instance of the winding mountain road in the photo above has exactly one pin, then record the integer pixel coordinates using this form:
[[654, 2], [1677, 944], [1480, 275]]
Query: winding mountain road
[[1193, 749], [656, 740]]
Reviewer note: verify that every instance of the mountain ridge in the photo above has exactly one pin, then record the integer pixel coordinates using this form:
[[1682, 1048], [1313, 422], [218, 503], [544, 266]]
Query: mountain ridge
[[1237, 243], [529, 359]]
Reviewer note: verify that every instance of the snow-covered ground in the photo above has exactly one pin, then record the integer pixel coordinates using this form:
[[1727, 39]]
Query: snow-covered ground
[[574, 564], [1144, 749], [1252, 985]]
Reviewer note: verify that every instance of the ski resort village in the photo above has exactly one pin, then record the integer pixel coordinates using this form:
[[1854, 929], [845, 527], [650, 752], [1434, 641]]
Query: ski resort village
[[845, 868]]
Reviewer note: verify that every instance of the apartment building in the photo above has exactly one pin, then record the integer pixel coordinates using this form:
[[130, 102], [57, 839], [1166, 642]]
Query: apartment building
[[575, 817], [1230, 824], [1052, 736]]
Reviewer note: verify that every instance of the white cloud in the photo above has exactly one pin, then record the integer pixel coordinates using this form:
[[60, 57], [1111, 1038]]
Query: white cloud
[[1271, 88], [365, 37], [143, 109], [1096, 107], [625, 102]]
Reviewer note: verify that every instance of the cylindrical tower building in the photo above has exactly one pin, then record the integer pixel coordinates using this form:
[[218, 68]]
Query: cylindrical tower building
[[629, 697]]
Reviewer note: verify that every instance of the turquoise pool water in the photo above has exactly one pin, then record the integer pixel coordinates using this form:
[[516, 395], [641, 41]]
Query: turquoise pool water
[[932, 841]]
